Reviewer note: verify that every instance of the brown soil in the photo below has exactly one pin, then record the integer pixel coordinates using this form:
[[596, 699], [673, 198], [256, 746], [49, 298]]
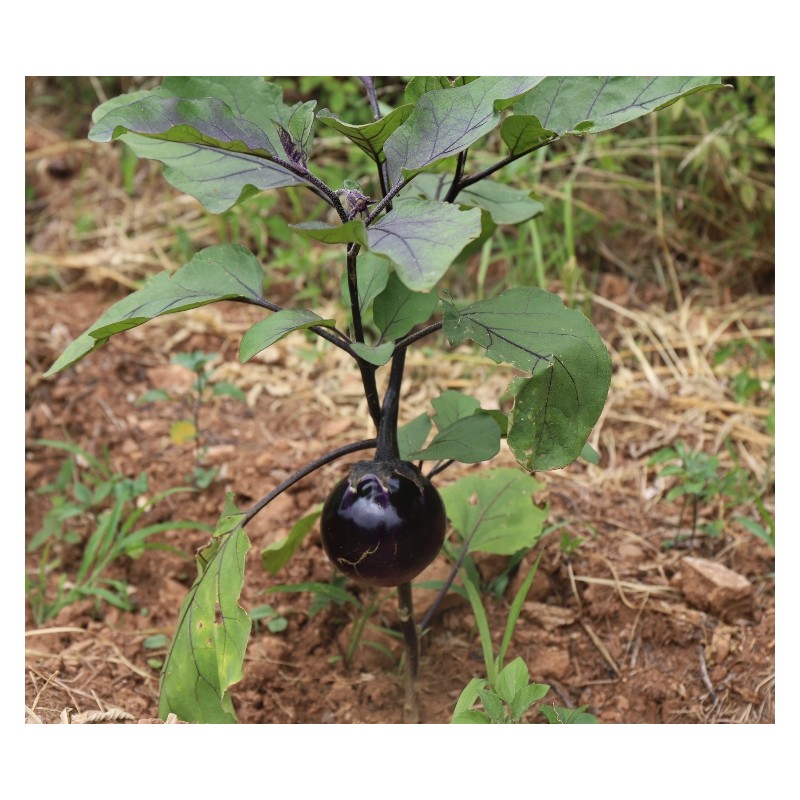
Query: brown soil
[[614, 632], [606, 626]]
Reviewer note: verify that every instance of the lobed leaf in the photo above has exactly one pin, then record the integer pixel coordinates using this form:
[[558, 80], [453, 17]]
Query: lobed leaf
[[556, 408], [221, 272]]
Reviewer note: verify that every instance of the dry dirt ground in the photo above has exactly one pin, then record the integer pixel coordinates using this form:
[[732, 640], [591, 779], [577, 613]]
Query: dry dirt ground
[[616, 623]]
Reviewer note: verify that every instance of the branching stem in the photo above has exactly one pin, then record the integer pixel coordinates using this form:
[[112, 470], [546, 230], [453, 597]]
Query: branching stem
[[365, 444]]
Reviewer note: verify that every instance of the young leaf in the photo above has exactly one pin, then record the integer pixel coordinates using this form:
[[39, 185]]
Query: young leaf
[[447, 121], [422, 237], [397, 309], [352, 231], [557, 407], [482, 622], [511, 679], [228, 389], [421, 84], [557, 715], [412, 435], [222, 272], [275, 557], [594, 104], [374, 355], [207, 653], [468, 440], [514, 612], [493, 705], [273, 328], [494, 511], [468, 697], [525, 698], [372, 275], [451, 406], [470, 718], [372, 136], [507, 205]]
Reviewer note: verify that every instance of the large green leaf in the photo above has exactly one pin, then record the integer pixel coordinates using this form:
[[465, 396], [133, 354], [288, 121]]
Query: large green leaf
[[213, 171], [570, 368], [221, 272], [207, 653], [593, 104], [494, 511], [412, 435], [447, 121], [507, 205], [372, 136], [273, 328], [397, 309], [352, 231], [422, 237]]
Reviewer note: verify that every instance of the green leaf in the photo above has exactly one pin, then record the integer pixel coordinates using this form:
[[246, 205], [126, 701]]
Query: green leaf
[[451, 406], [468, 440], [422, 238], [588, 453], [152, 396], [372, 275], [228, 389], [482, 623], [275, 557], [526, 697], [274, 327], [372, 136], [507, 205], [218, 178], [524, 133], [515, 610], [555, 409], [421, 84], [511, 679], [470, 718], [447, 121], [397, 309], [207, 653], [493, 705], [412, 435], [494, 511], [593, 104], [468, 697], [374, 355], [352, 231], [222, 272]]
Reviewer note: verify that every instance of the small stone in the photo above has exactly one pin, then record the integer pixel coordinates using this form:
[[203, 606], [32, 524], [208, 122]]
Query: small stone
[[549, 617], [712, 586]]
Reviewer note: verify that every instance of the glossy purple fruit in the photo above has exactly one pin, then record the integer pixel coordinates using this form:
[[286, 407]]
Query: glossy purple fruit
[[383, 524]]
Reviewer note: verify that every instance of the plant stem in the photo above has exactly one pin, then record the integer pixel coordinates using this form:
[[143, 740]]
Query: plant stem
[[440, 467], [364, 444], [455, 187], [431, 612], [383, 174], [411, 638], [401, 344], [387, 449]]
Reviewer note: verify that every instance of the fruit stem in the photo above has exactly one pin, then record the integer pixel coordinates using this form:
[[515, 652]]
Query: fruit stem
[[411, 637], [387, 449]]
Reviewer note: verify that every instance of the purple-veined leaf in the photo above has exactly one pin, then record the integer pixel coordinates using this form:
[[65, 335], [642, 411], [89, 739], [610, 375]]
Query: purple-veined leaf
[[447, 121], [422, 237]]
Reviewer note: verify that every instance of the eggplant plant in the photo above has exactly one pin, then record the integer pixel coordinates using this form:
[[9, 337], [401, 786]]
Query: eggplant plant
[[429, 203]]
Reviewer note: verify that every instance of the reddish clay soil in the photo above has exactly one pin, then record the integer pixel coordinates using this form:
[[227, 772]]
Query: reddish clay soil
[[608, 627]]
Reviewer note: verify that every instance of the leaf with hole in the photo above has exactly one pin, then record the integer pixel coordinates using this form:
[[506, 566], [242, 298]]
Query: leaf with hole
[[556, 408]]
